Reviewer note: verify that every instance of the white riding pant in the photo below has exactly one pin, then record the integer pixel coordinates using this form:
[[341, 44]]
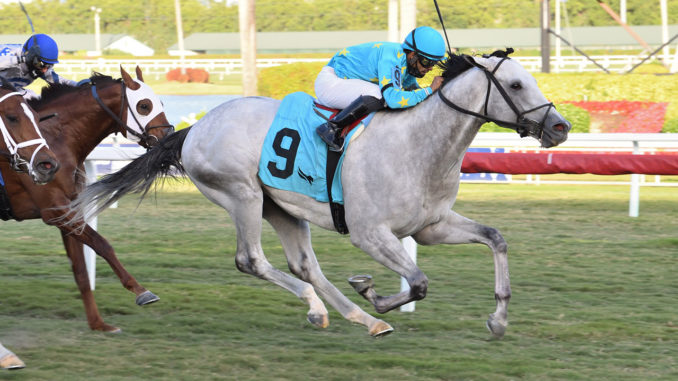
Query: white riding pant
[[336, 92]]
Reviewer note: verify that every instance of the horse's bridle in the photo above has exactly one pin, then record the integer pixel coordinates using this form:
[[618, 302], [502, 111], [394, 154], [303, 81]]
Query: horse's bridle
[[143, 136], [17, 163], [524, 126]]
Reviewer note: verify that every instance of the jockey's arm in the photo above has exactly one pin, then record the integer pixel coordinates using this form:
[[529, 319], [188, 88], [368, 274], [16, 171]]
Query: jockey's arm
[[52, 77], [8, 61], [393, 85]]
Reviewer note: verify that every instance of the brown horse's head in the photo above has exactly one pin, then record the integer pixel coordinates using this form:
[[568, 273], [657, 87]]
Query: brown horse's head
[[23, 144], [146, 120]]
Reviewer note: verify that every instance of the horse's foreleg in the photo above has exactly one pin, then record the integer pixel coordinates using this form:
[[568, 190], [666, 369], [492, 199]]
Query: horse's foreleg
[[295, 237], [380, 243], [455, 229], [75, 254], [100, 245]]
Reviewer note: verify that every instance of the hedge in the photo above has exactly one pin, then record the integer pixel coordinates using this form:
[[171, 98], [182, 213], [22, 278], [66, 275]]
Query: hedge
[[279, 81]]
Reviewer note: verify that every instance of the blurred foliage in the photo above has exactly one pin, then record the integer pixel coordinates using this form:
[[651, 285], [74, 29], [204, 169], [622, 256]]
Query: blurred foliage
[[153, 21], [578, 117], [671, 125]]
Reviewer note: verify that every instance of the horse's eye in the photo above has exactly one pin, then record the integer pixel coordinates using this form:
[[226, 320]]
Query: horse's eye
[[516, 86], [12, 118], [144, 107]]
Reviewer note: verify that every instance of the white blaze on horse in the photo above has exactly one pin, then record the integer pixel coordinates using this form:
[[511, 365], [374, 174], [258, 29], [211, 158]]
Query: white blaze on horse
[[400, 178]]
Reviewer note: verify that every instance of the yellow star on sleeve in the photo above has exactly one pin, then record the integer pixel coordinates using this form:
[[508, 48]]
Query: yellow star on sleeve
[[403, 102], [377, 45], [385, 81], [402, 70], [400, 54], [344, 52], [374, 80]]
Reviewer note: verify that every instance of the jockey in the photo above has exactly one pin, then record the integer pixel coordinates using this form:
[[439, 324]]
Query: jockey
[[368, 77], [21, 65]]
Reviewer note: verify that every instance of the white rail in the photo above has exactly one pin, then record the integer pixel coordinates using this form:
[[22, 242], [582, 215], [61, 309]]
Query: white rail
[[221, 67]]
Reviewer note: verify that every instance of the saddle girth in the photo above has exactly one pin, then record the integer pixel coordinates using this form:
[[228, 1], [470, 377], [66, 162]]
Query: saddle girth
[[336, 209]]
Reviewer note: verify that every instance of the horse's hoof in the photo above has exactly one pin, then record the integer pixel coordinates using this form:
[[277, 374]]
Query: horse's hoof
[[146, 297], [361, 283], [380, 328], [496, 327], [11, 362], [320, 321]]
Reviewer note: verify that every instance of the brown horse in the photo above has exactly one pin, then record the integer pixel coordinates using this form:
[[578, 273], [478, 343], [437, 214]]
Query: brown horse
[[22, 144], [76, 120]]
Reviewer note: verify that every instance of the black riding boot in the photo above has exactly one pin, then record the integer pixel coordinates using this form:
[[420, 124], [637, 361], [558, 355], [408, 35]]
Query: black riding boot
[[330, 132]]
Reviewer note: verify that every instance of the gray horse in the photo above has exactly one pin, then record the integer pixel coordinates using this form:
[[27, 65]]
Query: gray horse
[[400, 178]]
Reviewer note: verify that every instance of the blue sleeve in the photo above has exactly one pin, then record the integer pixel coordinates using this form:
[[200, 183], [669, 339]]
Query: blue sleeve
[[393, 80], [52, 77]]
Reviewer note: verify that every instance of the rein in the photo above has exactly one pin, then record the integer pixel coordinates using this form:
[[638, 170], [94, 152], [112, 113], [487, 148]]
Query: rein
[[524, 126], [144, 135]]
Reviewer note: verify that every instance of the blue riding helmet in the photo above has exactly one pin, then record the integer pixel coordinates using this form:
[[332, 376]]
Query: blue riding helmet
[[426, 42], [49, 51]]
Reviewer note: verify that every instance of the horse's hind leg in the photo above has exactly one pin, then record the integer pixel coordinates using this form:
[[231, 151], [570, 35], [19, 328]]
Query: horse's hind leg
[[75, 254], [246, 211], [9, 360], [454, 229], [295, 237]]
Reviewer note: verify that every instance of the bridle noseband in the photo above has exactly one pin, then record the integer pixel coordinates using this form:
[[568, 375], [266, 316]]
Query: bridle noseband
[[524, 126], [143, 136]]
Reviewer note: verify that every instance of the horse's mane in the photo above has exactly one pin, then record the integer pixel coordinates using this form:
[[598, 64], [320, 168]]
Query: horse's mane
[[459, 63], [55, 90]]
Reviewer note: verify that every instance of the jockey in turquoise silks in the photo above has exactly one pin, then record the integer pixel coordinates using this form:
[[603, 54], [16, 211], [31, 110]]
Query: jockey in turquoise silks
[[21, 65], [368, 77]]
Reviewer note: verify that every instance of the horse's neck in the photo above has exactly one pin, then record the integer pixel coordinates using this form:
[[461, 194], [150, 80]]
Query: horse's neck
[[444, 134], [87, 128]]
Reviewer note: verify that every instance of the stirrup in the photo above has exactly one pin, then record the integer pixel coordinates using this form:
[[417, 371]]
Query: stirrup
[[328, 134]]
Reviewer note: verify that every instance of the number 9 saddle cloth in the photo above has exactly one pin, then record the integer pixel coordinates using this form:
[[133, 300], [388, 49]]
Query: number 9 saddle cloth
[[293, 156]]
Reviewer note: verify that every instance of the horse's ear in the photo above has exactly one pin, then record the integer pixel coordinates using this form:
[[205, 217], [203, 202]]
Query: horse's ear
[[129, 82], [139, 75]]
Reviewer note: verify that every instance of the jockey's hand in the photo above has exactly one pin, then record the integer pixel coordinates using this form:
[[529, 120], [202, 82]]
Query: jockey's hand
[[437, 82]]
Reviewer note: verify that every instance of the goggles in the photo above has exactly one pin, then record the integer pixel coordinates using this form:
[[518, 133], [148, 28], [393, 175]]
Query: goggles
[[426, 62], [43, 65]]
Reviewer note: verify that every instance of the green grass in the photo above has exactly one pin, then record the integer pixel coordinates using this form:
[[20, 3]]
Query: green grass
[[594, 297]]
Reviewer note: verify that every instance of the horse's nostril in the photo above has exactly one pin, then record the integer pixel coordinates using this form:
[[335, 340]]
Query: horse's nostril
[[48, 166], [559, 127]]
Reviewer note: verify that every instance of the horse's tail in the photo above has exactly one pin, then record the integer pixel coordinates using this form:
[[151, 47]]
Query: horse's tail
[[164, 159]]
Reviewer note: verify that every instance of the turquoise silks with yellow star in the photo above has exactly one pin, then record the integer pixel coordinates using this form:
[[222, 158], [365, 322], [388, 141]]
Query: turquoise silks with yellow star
[[382, 63]]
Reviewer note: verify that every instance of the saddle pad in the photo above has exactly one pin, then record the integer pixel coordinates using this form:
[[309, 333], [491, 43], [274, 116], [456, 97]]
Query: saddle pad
[[294, 157]]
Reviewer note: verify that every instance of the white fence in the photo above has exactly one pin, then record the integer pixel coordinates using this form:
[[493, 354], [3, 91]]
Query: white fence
[[157, 68]]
